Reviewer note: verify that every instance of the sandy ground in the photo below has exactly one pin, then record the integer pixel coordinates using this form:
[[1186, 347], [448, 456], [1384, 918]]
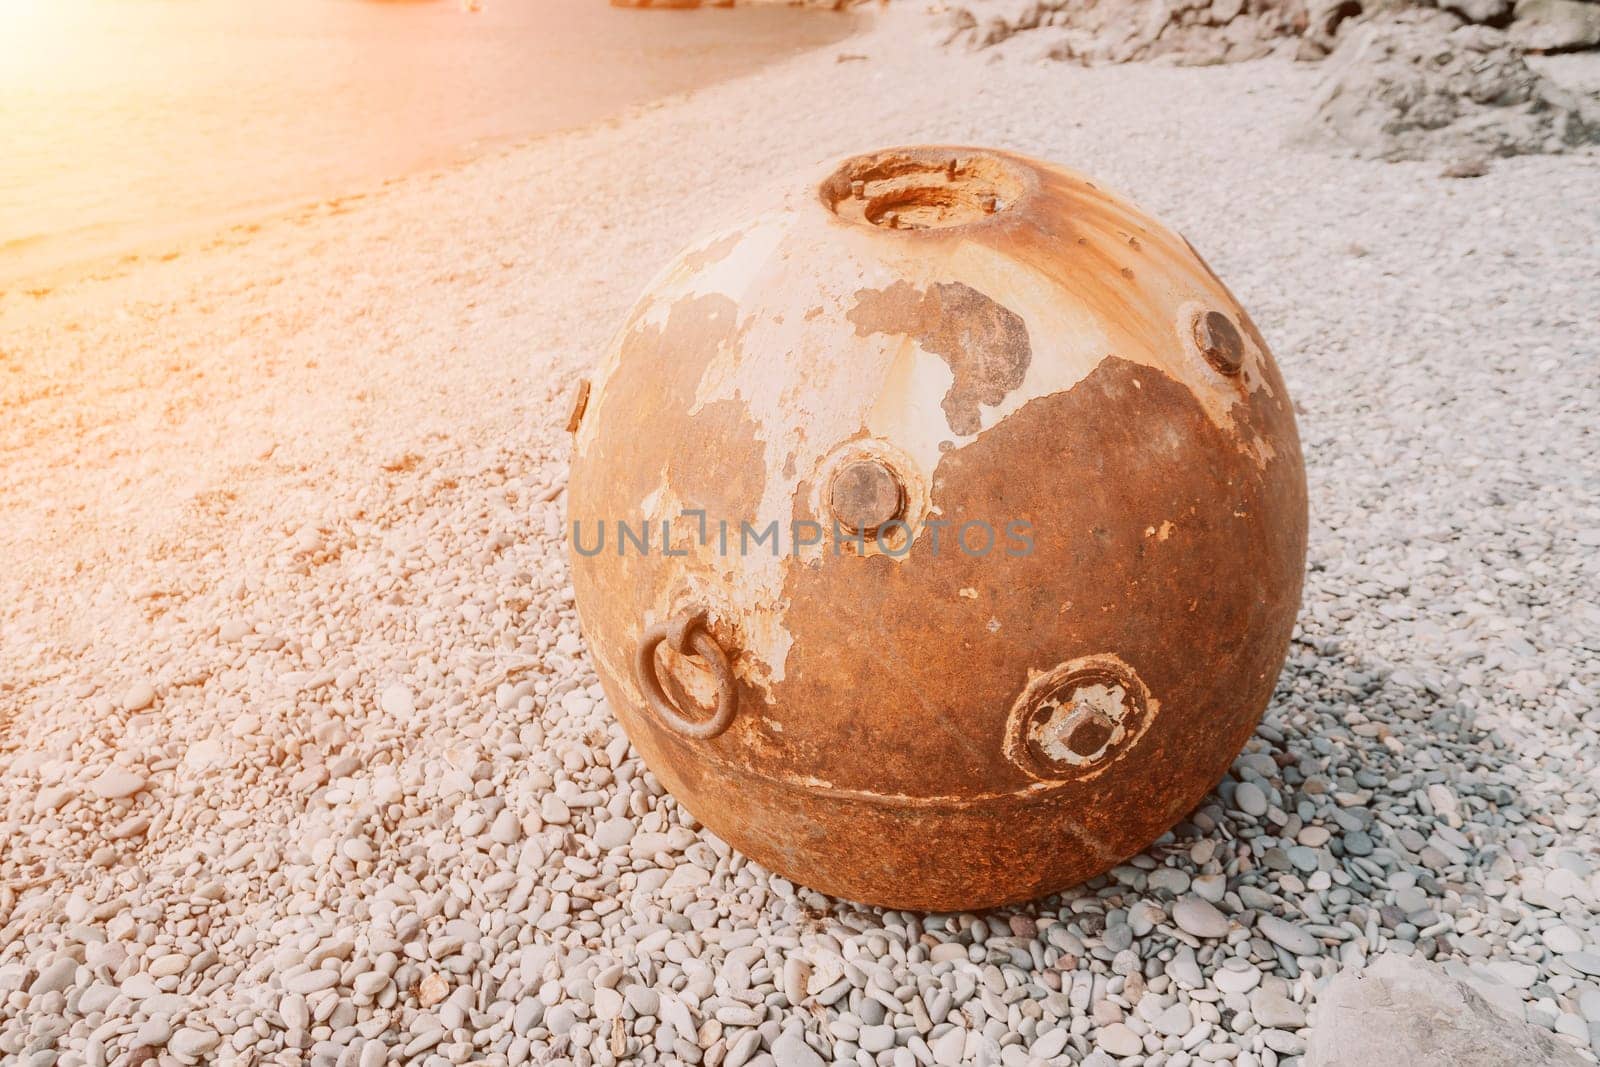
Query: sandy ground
[[300, 756]]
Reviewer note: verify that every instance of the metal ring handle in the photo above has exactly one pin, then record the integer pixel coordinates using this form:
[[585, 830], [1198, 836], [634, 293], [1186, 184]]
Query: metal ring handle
[[687, 635]]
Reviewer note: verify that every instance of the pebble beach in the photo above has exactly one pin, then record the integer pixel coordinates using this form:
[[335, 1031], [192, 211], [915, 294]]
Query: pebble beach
[[302, 759]]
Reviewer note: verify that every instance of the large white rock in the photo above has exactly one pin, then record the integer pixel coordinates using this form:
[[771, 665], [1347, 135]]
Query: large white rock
[[1556, 25], [1408, 86], [1401, 1010]]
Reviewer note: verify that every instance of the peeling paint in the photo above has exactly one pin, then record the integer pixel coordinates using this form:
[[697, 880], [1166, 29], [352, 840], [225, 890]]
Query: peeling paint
[[984, 344]]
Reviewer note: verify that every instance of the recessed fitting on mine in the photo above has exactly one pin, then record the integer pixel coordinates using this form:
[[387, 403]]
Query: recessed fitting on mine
[[1077, 718], [925, 188], [1219, 341]]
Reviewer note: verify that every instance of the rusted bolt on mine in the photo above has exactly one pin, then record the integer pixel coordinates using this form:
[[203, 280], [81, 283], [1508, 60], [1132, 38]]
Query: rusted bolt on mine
[[864, 495], [1219, 341]]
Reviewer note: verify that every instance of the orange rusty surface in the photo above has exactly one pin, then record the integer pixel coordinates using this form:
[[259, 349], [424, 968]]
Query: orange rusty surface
[[1020, 346]]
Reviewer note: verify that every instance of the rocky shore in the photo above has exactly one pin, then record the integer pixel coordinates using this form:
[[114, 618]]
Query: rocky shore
[[302, 760], [1228, 31]]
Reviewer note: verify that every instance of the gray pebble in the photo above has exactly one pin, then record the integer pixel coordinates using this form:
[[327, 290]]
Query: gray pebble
[[1249, 798], [1357, 843], [1199, 917], [1288, 936]]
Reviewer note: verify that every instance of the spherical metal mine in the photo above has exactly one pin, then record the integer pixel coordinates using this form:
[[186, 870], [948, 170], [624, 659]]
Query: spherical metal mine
[[938, 532]]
